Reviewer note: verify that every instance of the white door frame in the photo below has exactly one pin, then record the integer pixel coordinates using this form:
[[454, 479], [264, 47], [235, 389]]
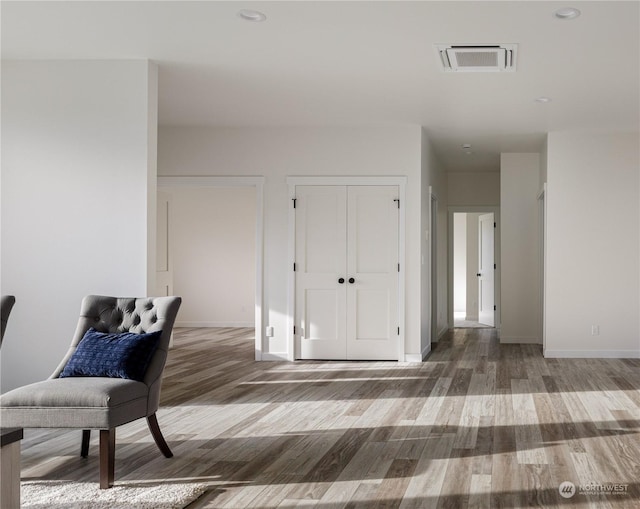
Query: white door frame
[[542, 215], [433, 268], [258, 183], [496, 256], [294, 181]]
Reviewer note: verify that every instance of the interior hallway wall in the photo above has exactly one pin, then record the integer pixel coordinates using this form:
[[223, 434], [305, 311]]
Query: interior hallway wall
[[434, 176], [472, 266], [593, 244], [459, 262], [473, 189], [213, 249], [78, 207], [520, 274]]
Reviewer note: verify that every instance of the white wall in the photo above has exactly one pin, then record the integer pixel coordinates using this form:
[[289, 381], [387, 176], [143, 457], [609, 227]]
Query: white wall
[[459, 262], [468, 189], [76, 177], [433, 175], [213, 249], [543, 164], [593, 252], [280, 152], [472, 266], [442, 325], [520, 274]]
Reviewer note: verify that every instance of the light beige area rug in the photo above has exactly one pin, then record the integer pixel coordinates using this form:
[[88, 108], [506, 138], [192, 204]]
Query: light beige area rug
[[123, 495]]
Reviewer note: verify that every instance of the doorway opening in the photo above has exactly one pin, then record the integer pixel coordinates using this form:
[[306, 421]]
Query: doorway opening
[[210, 251], [473, 269]]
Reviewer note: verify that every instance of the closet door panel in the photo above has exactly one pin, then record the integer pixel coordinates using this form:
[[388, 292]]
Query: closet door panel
[[372, 264], [320, 263]]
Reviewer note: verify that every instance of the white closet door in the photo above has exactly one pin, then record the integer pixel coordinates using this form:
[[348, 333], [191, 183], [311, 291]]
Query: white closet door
[[347, 272], [486, 271], [372, 254], [321, 236]]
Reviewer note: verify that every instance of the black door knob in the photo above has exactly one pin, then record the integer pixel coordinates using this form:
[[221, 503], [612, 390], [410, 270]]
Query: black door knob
[[478, 274], [341, 280], [351, 280]]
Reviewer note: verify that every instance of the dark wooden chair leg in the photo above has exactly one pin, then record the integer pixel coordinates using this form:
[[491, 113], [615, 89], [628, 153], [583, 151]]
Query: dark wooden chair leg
[[107, 457], [152, 421], [84, 448]]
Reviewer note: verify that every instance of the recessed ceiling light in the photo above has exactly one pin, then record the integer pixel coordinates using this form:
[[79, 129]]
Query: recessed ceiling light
[[466, 146], [567, 13], [543, 99], [250, 15]]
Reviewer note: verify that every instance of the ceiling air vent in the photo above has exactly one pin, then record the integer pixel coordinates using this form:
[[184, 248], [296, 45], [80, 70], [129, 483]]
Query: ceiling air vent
[[478, 57]]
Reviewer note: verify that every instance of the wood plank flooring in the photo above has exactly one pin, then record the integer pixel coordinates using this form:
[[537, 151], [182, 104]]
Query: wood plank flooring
[[478, 425]]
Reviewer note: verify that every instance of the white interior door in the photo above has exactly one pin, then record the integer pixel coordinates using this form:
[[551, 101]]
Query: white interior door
[[372, 267], [346, 273], [164, 259], [486, 270], [321, 243]]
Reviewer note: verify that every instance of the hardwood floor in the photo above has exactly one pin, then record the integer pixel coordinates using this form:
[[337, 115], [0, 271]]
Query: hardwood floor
[[478, 425]]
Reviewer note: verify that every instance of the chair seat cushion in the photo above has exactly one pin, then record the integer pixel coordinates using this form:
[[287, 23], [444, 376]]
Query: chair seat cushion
[[90, 402]]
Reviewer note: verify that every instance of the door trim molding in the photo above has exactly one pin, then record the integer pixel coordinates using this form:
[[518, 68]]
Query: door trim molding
[[292, 182], [432, 253], [542, 260], [496, 257], [233, 181]]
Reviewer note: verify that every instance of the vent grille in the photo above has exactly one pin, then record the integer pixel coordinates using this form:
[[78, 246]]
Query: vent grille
[[478, 58]]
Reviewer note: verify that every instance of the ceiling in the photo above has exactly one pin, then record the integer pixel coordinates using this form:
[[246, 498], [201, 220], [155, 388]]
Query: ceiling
[[361, 63]]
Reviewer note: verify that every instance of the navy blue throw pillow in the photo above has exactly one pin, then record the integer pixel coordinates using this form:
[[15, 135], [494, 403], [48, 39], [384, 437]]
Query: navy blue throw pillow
[[123, 355]]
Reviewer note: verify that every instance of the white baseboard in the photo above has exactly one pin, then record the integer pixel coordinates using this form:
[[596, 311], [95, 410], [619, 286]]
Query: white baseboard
[[426, 351], [275, 356], [525, 340], [214, 324], [592, 354], [412, 357]]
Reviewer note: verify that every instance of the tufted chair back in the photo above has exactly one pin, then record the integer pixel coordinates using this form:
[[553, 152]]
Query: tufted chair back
[[6, 304], [138, 315]]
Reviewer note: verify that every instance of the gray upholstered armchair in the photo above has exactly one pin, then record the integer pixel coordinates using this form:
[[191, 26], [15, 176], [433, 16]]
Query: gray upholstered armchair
[[6, 303], [100, 402]]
